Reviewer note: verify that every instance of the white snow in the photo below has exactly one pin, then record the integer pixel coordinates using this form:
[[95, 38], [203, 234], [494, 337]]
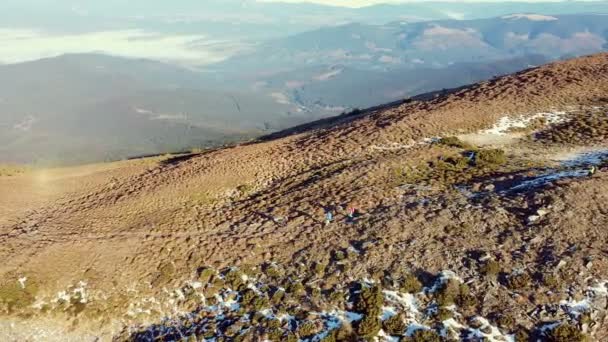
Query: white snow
[[588, 157], [62, 296], [407, 301], [388, 312], [506, 123], [494, 334], [383, 336], [576, 307], [196, 285], [600, 288], [393, 146], [413, 327], [81, 290], [546, 178]]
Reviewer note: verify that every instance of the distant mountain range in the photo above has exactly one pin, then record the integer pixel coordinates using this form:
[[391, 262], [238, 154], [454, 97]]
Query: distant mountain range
[[432, 44], [88, 107], [358, 65], [247, 19]]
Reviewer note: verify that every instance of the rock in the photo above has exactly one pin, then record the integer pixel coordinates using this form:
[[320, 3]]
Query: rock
[[542, 212], [489, 187], [533, 218]]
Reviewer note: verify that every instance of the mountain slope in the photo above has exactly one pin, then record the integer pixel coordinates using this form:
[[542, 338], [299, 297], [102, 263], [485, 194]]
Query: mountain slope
[[517, 221]]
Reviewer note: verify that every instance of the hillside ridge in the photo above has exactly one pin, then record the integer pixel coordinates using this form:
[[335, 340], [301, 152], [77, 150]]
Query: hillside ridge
[[498, 171]]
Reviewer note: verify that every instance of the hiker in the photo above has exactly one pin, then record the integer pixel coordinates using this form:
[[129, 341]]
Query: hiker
[[592, 170], [351, 211], [329, 216]]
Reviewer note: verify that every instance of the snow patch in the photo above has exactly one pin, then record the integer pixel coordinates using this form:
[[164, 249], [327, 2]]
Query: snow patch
[[592, 157], [505, 124]]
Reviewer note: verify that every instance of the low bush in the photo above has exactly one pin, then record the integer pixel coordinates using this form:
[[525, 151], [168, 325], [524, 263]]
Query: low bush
[[426, 336], [518, 281], [565, 333], [14, 297], [454, 142], [491, 268], [490, 158], [394, 325], [370, 301], [410, 284], [307, 329], [369, 326]]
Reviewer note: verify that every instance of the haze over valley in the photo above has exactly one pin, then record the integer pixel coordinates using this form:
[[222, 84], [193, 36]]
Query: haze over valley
[[98, 82]]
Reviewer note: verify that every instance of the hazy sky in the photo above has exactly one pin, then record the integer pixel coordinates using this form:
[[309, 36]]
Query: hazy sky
[[205, 31], [363, 3]]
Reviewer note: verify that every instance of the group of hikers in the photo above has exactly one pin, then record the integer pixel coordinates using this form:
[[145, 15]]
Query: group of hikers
[[351, 213]]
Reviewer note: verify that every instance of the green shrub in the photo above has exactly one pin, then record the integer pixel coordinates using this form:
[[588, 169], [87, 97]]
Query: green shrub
[[336, 296], [394, 325], [565, 333], [277, 296], [14, 297], [319, 268], [307, 329], [426, 336], [245, 189], [550, 280], [443, 314], [252, 301], [330, 337], [518, 281], [205, 274], [454, 142], [290, 337], [491, 268], [410, 284], [234, 279], [165, 274], [370, 301], [339, 255], [522, 335], [506, 321], [274, 334], [448, 293], [369, 326], [273, 271], [12, 170], [296, 289], [346, 333], [490, 158]]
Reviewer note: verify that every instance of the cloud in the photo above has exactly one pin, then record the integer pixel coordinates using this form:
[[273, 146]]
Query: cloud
[[20, 45]]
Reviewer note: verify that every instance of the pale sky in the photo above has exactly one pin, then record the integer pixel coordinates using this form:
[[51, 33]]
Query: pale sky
[[363, 3]]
